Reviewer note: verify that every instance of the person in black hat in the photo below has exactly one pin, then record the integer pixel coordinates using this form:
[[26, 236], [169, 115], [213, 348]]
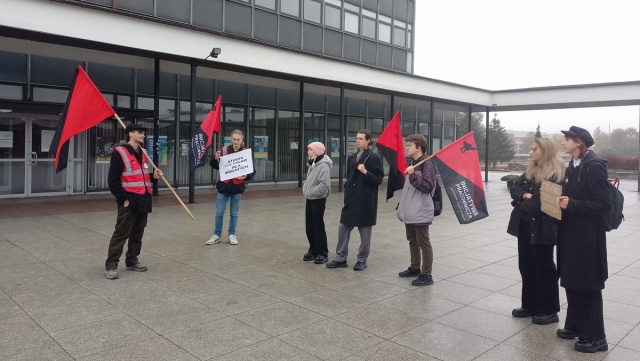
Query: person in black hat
[[582, 242], [130, 183]]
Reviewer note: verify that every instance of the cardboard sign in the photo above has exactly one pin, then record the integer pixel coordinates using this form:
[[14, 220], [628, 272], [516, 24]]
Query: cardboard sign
[[550, 199], [236, 164]]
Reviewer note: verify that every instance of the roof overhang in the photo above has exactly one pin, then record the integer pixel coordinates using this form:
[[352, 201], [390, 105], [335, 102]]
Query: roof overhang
[[138, 41]]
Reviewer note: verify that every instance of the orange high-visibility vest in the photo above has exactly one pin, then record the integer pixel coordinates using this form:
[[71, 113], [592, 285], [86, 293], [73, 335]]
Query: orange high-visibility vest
[[135, 178]]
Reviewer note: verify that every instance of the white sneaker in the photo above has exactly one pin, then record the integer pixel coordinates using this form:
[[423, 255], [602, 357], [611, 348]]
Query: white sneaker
[[213, 240], [233, 239]]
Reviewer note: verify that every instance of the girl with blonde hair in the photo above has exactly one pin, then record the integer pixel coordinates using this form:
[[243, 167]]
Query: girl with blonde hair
[[537, 234]]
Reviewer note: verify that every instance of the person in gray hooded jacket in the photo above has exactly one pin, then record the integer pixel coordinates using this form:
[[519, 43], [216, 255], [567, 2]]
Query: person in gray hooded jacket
[[316, 189], [416, 210]]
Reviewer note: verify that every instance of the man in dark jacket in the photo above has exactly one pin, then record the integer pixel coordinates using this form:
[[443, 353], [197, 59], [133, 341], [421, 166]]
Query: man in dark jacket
[[364, 175], [582, 242], [230, 190], [130, 183]]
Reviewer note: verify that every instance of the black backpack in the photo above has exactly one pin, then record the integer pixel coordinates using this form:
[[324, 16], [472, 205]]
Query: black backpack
[[614, 217], [437, 199], [436, 195]]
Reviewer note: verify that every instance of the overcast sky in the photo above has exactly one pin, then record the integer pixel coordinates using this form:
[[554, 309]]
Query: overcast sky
[[506, 44]]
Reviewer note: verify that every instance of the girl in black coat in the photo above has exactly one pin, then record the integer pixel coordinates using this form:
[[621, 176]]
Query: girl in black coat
[[582, 242], [537, 235]]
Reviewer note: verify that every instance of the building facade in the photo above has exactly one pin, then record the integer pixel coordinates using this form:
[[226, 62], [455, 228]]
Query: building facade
[[290, 72]]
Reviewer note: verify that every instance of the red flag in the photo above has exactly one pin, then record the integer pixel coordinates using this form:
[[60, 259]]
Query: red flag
[[201, 140], [85, 108], [391, 147], [459, 166]]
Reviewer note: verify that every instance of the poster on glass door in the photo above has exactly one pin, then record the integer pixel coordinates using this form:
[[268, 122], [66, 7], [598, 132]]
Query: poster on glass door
[[260, 146], [163, 148]]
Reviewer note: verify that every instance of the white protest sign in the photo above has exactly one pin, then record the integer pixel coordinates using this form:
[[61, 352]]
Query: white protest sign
[[236, 164]]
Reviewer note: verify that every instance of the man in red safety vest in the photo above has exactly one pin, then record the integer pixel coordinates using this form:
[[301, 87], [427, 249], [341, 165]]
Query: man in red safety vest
[[130, 183]]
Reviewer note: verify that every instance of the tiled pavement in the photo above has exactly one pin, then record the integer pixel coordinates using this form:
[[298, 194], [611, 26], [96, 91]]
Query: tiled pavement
[[260, 301]]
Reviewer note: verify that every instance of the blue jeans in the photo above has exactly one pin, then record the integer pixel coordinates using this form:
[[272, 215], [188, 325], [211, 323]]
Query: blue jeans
[[221, 205]]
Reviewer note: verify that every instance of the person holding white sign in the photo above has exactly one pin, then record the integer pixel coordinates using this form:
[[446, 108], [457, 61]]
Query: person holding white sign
[[229, 190], [537, 234]]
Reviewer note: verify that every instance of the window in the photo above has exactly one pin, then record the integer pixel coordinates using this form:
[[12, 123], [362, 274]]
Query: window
[[14, 67], [400, 9], [269, 4], [399, 59], [290, 7], [265, 25], [333, 43], [174, 9], [208, 13], [332, 16], [369, 52], [369, 23], [238, 19], [351, 47], [384, 56], [353, 8], [312, 38], [141, 6], [384, 32], [370, 4], [49, 95], [123, 101], [290, 30], [13, 92], [351, 22], [312, 10], [41, 70], [399, 36], [368, 28]]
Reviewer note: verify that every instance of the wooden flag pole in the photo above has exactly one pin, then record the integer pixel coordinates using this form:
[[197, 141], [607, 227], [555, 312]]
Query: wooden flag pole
[[422, 161], [155, 168]]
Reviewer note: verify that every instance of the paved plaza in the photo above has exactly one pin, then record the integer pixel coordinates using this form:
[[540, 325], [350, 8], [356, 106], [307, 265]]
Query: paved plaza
[[259, 301]]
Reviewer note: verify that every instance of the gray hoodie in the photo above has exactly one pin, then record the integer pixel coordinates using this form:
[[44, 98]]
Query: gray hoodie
[[318, 183], [416, 204]]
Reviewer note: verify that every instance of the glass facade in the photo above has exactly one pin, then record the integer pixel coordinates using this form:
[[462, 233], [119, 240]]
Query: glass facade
[[297, 24], [270, 118]]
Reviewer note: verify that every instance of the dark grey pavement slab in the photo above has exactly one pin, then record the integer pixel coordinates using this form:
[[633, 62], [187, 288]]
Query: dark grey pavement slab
[[259, 301]]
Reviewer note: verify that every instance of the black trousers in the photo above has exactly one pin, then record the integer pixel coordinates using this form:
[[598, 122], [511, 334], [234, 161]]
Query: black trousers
[[585, 314], [129, 225], [540, 291], [314, 221]]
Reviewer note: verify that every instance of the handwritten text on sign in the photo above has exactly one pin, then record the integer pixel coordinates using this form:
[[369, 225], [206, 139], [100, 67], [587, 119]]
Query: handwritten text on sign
[[236, 165], [550, 199]]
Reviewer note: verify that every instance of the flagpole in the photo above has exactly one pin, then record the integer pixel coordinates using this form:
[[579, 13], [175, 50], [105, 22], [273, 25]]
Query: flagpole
[[156, 168], [424, 160]]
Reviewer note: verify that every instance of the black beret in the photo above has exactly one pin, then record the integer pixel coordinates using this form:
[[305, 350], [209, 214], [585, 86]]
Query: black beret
[[580, 133], [135, 126]]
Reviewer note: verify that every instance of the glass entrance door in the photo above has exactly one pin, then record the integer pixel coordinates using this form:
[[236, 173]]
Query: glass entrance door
[[13, 129], [26, 167], [41, 176]]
